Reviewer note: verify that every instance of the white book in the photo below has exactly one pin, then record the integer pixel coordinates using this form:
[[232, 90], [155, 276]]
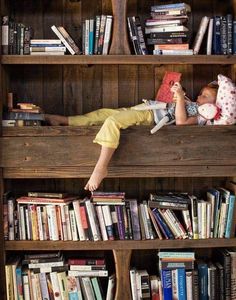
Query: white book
[[153, 22], [86, 37], [62, 281], [28, 231], [76, 206], [199, 215], [55, 286], [222, 221], [40, 223], [52, 222], [74, 232], [98, 273], [48, 265], [208, 220], [144, 218], [22, 223], [43, 285], [87, 288], [63, 222], [173, 52], [45, 42], [111, 287], [200, 34], [60, 36], [101, 222], [26, 288], [67, 217], [174, 278], [189, 285], [133, 283], [210, 37], [47, 49], [107, 35], [92, 220], [47, 53], [166, 29]]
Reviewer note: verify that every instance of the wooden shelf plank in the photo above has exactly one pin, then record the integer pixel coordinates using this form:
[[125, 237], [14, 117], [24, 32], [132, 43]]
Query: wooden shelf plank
[[121, 172], [117, 245], [179, 150], [118, 59]]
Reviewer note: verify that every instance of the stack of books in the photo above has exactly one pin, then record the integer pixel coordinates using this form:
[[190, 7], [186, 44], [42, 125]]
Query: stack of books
[[46, 47], [24, 114], [167, 29], [97, 35]]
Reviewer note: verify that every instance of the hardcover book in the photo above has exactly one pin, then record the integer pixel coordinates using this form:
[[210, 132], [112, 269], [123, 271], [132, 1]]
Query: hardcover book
[[164, 93]]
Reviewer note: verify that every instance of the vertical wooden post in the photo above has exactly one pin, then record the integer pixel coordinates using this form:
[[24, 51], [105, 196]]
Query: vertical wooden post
[[119, 44], [122, 263]]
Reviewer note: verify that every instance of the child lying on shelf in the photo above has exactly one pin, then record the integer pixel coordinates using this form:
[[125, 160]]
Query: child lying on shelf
[[112, 120]]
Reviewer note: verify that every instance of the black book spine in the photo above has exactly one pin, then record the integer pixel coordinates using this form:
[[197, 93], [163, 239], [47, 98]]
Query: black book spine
[[223, 35]]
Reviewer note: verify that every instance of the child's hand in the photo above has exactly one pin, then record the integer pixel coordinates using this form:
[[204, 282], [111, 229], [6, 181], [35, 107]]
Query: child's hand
[[178, 91]]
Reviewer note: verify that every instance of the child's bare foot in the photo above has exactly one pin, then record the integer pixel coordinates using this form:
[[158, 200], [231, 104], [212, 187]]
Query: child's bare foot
[[96, 178], [56, 120]]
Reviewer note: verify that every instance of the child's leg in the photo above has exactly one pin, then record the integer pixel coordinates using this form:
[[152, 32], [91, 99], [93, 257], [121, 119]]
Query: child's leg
[[96, 117], [108, 137]]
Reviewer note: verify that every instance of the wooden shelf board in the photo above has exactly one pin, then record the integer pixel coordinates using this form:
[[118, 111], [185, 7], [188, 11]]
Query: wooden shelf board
[[121, 172], [118, 59], [117, 245]]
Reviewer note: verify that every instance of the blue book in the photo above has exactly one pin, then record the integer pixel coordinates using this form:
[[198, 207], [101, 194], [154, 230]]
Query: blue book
[[165, 229], [19, 282], [216, 35], [216, 214], [234, 37], [181, 282], [166, 284], [230, 216], [91, 36], [203, 280]]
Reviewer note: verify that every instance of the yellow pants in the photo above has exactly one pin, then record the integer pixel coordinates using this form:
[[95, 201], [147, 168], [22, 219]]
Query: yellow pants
[[113, 120]]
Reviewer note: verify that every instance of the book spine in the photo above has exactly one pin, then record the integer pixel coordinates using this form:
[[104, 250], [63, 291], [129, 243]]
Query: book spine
[[203, 279], [76, 206], [5, 35], [166, 284], [97, 30], [229, 22], [101, 222], [74, 232], [91, 36], [200, 34], [55, 286], [223, 35], [92, 220], [43, 286], [210, 37], [140, 35], [216, 35], [189, 285], [181, 280], [60, 36], [101, 34], [229, 221], [120, 219], [194, 202], [135, 220], [63, 222], [107, 35]]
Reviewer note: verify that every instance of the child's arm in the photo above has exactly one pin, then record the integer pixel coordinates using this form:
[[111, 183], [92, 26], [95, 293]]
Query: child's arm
[[181, 117]]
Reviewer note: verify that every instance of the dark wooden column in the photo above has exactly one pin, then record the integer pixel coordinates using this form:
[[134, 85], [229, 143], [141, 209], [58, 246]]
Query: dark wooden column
[[119, 44]]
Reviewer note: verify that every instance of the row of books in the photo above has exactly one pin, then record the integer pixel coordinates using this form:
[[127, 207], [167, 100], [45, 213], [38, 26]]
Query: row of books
[[109, 217], [97, 35], [182, 276], [49, 276], [219, 33], [17, 39]]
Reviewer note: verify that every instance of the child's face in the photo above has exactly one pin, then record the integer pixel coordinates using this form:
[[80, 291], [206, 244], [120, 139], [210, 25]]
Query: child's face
[[207, 95]]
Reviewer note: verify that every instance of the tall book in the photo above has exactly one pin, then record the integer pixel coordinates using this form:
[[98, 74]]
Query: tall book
[[200, 34]]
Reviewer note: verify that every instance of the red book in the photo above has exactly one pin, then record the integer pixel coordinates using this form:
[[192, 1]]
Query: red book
[[164, 93]]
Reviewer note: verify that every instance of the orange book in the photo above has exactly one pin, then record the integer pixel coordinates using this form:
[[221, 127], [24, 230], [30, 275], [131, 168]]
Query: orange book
[[171, 47]]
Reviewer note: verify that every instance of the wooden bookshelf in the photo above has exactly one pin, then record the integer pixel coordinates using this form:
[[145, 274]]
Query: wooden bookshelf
[[176, 158], [119, 59]]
